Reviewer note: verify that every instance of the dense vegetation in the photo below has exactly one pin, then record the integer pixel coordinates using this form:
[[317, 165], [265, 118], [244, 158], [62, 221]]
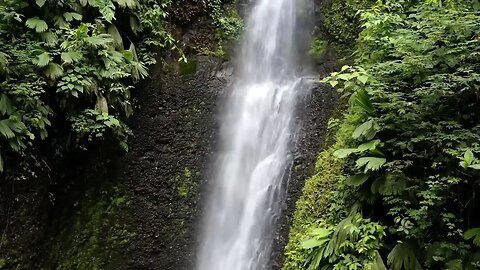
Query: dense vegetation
[[67, 69], [397, 187]]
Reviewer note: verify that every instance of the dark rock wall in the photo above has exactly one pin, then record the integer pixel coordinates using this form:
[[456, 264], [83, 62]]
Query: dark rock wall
[[175, 127]]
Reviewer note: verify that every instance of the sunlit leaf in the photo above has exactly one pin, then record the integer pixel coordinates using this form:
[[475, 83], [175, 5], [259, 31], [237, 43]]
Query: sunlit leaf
[[37, 24]]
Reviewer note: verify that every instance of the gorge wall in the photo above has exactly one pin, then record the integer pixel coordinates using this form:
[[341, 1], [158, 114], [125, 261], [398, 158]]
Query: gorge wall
[[141, 210]]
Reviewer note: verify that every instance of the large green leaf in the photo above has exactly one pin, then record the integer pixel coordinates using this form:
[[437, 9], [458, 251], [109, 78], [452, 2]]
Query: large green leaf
[[5, 105], [40, 3], [473, 233], [475, 166], [71, 57], [3, 61], [127, 3], [53, 71], [370, 163], [43, 59], [362, 99], [312, 243], [99, 40], [369, 146], [343, 153], [37, 24], [363, 130], [321, 232], [403, 257], [378, 263], [135, 24], [5, 129], [357, 179], [49, 37], [70, 16], [117, 38]]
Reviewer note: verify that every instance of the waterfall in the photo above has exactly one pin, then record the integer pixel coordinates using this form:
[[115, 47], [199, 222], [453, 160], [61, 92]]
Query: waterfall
[[257, 136]]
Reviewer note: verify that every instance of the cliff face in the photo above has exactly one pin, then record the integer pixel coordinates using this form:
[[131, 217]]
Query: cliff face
[[142, 209], [168, 163]]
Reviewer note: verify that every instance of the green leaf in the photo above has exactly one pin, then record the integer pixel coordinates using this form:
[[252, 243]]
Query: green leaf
[[135, 24], [454, 265], [5, 129], [343, 153], [70, 16], [369, 146], [37, 24], [43, 59], [475, 166], [346, 76], [53, 71], [71, 57], [40, 3], [370, 163], [5, 105], [60, 22], [321, 232], [99, 40], [468, 157], [362, 99], [101, 105], [378, 263], [17, 126], [139, 71], [108, 12], [475, 234], [312, 243], [403, 257], [49, 38], [127, 3], [3, 61], [363, 78], [357, 180], [333, 83], [117, 38], [363, 129]]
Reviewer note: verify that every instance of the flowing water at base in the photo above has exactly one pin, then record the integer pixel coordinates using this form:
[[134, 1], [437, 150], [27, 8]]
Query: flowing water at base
[[257, 136]]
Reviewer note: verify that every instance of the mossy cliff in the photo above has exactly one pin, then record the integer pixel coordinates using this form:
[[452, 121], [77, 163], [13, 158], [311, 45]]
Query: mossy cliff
[[108, 210], [337, 27]]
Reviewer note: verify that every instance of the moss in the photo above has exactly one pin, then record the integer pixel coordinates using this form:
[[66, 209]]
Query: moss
[[189, 67], [342, 24], [314, 205], [186, 184], [318, 48], [97, 234]]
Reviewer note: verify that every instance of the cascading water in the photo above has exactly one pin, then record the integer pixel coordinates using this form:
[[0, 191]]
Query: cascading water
[[257, 135]]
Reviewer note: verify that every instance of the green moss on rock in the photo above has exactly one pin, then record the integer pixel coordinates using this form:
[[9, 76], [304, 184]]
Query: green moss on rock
[[315, 204], [341, 23], [189, 67], [186, 183], [95, 237]]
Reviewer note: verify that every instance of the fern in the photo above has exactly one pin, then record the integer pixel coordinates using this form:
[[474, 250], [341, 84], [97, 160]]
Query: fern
[[402, 257]]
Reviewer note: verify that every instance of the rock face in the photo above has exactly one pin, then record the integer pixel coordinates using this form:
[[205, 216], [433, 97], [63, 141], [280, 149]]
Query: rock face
[[175, 130]]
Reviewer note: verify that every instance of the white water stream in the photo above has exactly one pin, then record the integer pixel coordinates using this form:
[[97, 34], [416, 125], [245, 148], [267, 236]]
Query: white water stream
[[257, 137]]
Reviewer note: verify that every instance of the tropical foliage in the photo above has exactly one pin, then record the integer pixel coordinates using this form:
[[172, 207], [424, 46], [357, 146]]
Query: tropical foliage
[[67, 69], [405, 197]]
